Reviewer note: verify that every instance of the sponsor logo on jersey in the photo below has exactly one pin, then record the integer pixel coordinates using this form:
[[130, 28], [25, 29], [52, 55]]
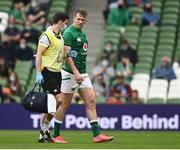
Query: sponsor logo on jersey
[[85, 46], [79, 39]]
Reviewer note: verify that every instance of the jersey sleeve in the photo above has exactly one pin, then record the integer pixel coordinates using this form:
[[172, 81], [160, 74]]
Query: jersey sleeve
[[68, 38], [44, 41]]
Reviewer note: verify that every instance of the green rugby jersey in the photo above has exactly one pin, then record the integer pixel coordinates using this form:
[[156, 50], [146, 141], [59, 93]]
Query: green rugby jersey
[[76, 38]]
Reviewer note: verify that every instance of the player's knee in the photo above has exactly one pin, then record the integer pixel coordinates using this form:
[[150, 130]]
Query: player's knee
[[91, 104], [59, 102], [65, 106]]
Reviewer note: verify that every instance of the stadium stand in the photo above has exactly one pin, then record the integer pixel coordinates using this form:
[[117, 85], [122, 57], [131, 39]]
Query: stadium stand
[[173, 95], [157, 91], [25, 69], [152, 43], [142, 85]]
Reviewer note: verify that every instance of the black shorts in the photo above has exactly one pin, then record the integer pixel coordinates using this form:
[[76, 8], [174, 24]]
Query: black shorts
[[52, 81]]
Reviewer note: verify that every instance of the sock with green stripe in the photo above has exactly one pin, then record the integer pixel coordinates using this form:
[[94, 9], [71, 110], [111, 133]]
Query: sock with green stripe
[[95, 127], [57, 126]]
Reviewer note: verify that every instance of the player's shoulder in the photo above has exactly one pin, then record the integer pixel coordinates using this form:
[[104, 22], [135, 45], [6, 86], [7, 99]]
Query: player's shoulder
[[48, 32], [69, 29], [45, 33], [69, 32], [84, 33], [114, 10]]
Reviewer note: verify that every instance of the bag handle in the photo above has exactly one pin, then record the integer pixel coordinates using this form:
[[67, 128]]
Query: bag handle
[[35, 87]]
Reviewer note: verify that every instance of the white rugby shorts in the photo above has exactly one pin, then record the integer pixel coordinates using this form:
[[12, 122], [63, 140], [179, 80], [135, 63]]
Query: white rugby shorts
[[69, 84]]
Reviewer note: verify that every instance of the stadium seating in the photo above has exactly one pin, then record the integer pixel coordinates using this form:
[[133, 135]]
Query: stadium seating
[[152, 43], [100, 99], [2, 82], [112, 34], [5, 5], [58, 5], [174, 94], [136, 12], [31, 80], [141, 84], [146, 49], [23, 70], [141, 76], [131, 35], [4, 20], [157, 91]]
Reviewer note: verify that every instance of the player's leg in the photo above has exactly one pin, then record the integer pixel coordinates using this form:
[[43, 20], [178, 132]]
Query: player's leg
[[59, 117], [88, 96], [86, 92], [52, 83], [67, 93], [58, 100], [44, 136], [45, 120]]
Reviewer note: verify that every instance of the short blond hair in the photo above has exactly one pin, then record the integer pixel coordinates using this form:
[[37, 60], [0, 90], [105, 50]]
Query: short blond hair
[[82, 12]]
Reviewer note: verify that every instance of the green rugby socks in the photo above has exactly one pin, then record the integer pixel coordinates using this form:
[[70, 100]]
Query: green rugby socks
[[95, 127], [57, 126]]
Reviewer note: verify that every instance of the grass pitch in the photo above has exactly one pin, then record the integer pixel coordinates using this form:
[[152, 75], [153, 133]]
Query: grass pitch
[[83, 140]]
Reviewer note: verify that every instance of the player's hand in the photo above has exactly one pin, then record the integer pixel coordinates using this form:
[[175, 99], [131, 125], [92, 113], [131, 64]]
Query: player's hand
[[39, 78], [78, 77], [72, 53]]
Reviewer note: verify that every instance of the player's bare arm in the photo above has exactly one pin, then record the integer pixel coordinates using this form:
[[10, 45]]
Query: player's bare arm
[[70, 62], [39, 54]]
